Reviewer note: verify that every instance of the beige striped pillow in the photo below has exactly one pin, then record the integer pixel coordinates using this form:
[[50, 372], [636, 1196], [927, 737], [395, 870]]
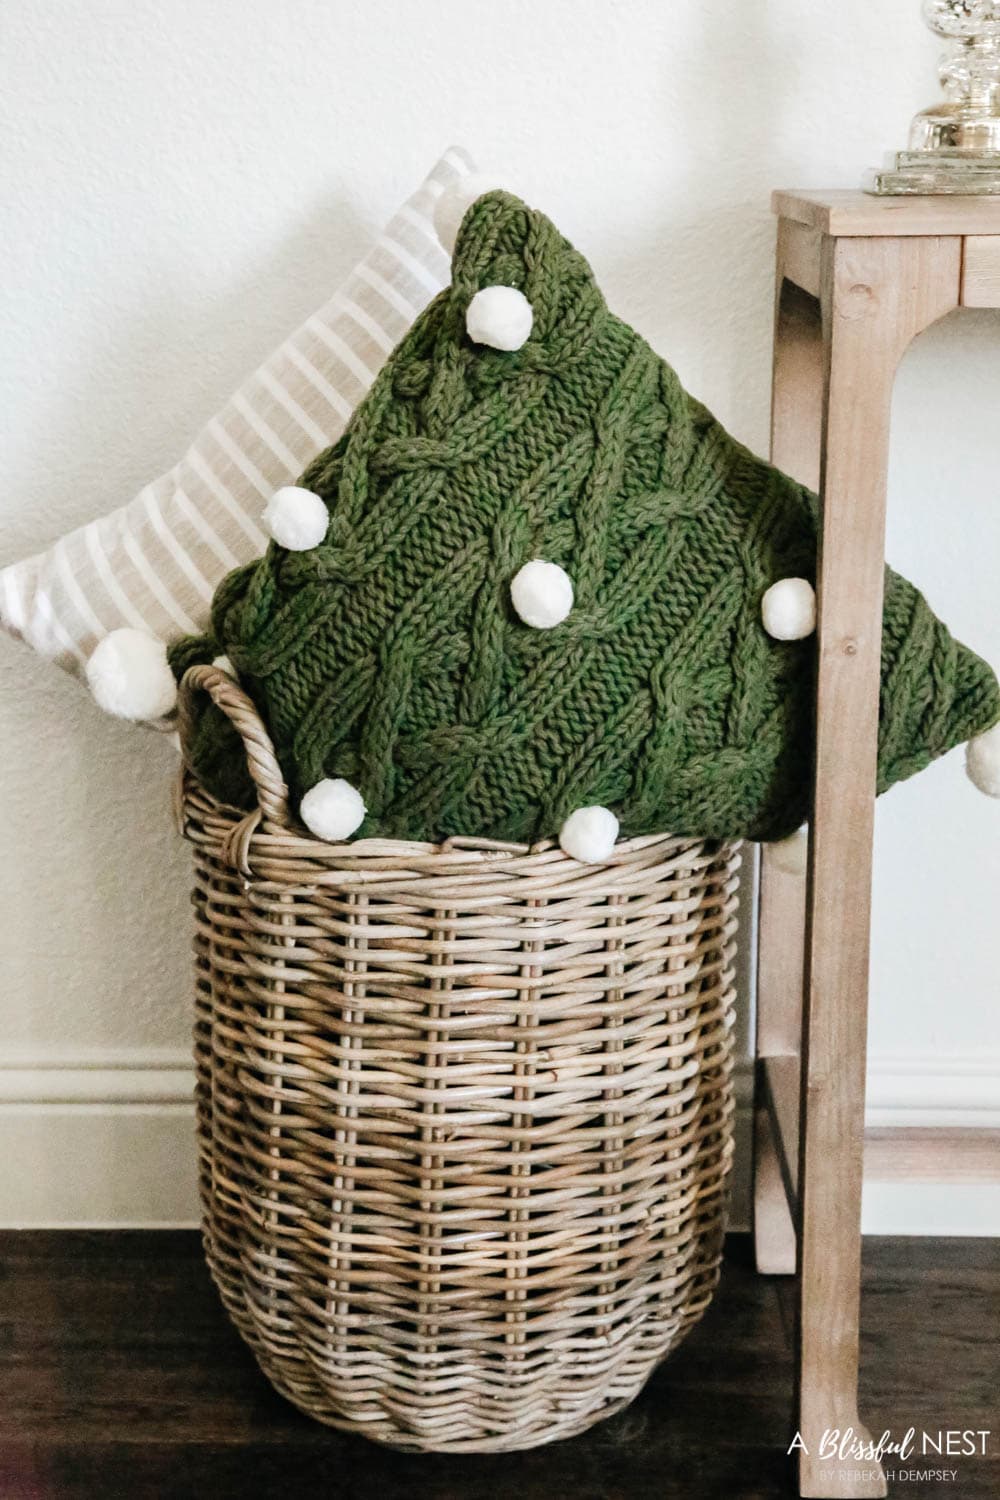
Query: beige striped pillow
[[154, 563]]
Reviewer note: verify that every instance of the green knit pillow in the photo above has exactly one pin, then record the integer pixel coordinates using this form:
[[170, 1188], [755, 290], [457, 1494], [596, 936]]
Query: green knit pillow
[[402, 650]]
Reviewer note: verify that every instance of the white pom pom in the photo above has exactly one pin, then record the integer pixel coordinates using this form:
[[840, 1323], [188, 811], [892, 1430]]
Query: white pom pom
[[129, 676], [789, 855], [788, 609], [499, 316], [982, 761], [455, 202], [542, 594], [224, 665], [589, 834], [296, 518], [332, 810]]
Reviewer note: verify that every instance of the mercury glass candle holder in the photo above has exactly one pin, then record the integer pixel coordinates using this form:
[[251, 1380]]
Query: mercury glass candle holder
[[954, 145]]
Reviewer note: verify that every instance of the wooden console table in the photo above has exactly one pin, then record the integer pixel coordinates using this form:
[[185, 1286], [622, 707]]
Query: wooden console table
[[858, 278]]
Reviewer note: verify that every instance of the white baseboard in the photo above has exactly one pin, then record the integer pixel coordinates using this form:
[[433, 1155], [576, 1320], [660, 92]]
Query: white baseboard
[[933, 1089], [106, 1140], [98, 1140], [98, 1166], [146, 1075]]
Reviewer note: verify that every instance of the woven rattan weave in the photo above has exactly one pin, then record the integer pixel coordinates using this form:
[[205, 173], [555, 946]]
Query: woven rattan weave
[[464, 1112]]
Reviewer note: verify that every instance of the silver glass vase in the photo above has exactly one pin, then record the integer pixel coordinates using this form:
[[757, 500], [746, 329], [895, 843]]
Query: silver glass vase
[[954, 145]]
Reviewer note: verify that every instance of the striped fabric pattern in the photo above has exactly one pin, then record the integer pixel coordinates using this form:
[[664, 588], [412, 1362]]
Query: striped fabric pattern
[[155, 562]]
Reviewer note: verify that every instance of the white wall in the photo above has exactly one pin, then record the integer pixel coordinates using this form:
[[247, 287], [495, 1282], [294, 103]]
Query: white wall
[[182, 183]]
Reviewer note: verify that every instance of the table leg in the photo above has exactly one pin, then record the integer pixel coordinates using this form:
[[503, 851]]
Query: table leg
[[875, 295], [796, 407]]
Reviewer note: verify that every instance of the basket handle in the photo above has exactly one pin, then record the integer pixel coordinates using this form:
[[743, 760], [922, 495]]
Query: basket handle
[[262, 763]]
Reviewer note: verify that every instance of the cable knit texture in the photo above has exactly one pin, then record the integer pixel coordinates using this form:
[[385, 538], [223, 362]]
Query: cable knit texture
[[391, 655]]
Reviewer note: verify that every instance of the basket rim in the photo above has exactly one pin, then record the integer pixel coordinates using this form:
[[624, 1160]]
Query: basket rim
[[272, 834], [259, 849]]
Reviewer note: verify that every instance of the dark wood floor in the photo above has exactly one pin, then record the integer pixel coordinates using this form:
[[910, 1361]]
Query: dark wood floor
[[120, 1376]]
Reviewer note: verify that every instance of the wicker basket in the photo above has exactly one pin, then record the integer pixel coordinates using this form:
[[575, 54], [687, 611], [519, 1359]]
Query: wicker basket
[[464, 1112]]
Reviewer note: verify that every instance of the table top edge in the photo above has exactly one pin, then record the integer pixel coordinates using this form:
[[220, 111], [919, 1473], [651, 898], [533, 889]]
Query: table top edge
[[846, 212]]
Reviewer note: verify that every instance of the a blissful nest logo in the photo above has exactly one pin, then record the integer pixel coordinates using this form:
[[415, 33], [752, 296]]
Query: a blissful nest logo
[[844, 1445]]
